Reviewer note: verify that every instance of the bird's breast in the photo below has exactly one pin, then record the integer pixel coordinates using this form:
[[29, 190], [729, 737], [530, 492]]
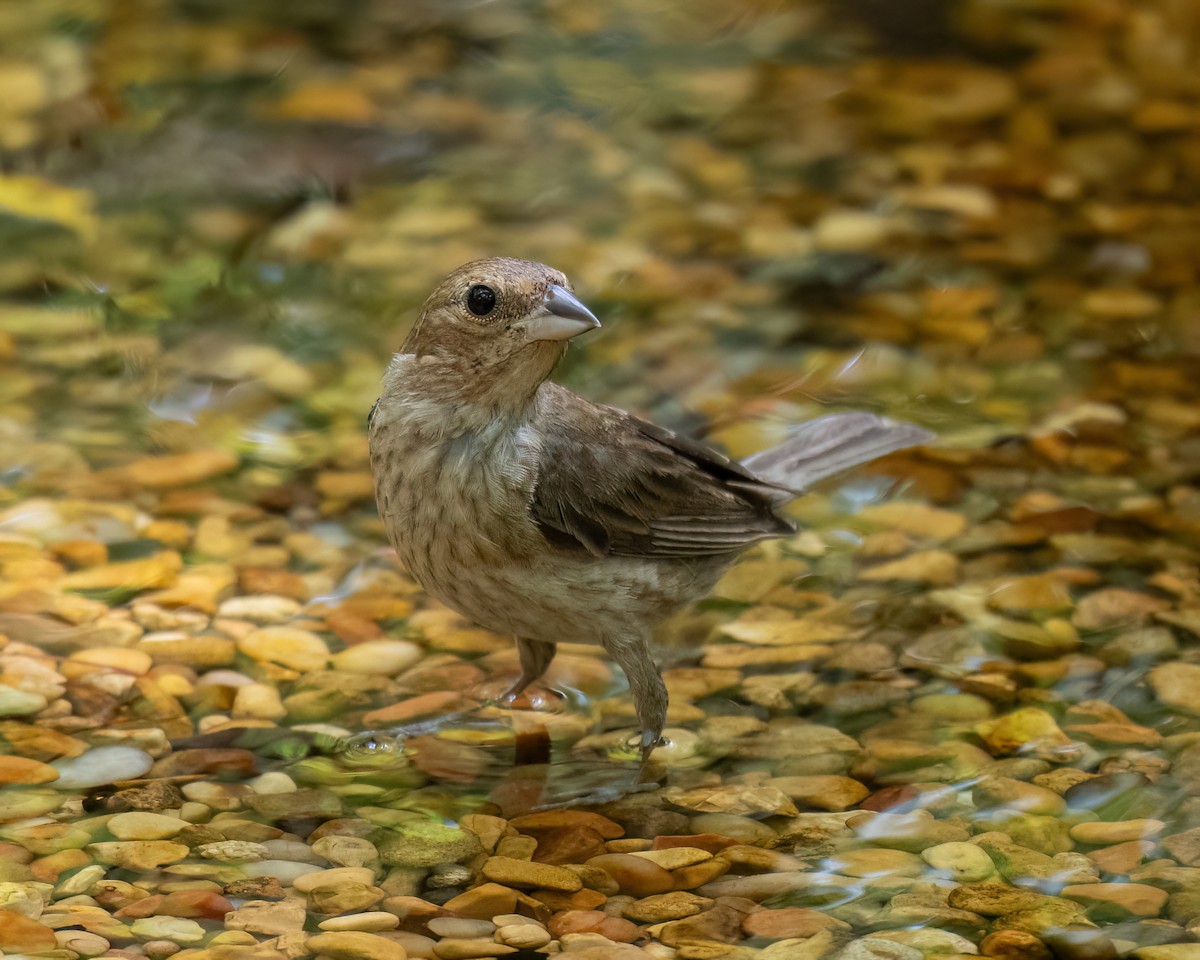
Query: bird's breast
[[456, 500]]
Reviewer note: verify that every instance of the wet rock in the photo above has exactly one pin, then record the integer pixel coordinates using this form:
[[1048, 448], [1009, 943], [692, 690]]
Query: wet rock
[[960, 861], [721, 922], [139, 855], [569, 846], [369, 922], [175, 929], [484, 901], [100, 766], [297, 805], [537, 824], [523, 936], [344, 897], [353, 945], [1099, 833], [422, 843], [911, 832], [1017, 795], [666, 906], [1027, 730], [288, 646], [593, 921], [21, 770], [1175, 686], [872, 949], [635, 876], [144, 826], [1014, 945], [821, 792], [528, 874], [789, 923], [1117, 901], [20, 703], [268, 918], [19, 934], [382, 657]]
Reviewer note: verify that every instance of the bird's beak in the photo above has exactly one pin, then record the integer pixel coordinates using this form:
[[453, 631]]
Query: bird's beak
[[561, 317]]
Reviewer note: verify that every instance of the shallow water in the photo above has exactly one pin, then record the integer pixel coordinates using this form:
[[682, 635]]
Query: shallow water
[[956, 714]]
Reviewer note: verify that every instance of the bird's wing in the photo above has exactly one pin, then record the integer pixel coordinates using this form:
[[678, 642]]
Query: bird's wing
[[612, 484]]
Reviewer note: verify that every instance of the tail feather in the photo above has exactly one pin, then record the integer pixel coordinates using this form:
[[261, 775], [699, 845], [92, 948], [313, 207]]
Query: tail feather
[[821, 448]]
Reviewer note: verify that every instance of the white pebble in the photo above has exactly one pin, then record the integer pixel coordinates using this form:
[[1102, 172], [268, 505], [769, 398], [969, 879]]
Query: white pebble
[[273, 781], [963, 862], [101, 766], [20, 703], [265, 608]]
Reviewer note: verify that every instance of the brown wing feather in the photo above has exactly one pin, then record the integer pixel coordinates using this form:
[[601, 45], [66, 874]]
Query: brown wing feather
[[615, 485]]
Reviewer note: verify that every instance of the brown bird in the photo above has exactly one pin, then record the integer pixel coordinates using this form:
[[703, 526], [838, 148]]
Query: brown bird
[[540, 514]]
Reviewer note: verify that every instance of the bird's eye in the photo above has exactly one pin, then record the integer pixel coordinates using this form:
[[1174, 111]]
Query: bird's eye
[[481, 300]]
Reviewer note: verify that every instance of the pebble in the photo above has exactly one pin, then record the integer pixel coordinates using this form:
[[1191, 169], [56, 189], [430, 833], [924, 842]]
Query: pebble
[[139, 825], [176, 929], [261, 608], [20, 703], [523, 936], [1100, 833], [526, 873], [822, 792], [422, 843], [453, 949], [1117, 901], [100, 766], [875, 949], [355, 945], [789, 922], [22, 770], [313, 879], [285, 871], [960, 861], [139, 855], [875, 862], [291, 647], [635, 876], [674, 858], [1017, 795], [377, 657], [369, 922], [81, 943], [461, 928], [260, 701], [269, 918], [666, 906], [19, 934]]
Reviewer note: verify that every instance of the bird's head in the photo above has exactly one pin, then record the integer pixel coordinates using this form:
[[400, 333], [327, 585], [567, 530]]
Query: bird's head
[[501, 318]]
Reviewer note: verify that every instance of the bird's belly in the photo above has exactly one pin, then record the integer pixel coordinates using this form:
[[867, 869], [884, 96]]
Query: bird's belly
[[460, 524], [575, 599]]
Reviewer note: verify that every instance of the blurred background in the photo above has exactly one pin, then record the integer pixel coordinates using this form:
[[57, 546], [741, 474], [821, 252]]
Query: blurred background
[[218, 219]]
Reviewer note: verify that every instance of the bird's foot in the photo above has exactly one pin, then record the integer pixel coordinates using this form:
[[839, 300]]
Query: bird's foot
[[510, 695], [650, 740]]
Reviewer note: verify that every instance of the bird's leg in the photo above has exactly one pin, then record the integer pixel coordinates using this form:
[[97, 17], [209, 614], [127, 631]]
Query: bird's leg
[[535, 656], [645, 683]]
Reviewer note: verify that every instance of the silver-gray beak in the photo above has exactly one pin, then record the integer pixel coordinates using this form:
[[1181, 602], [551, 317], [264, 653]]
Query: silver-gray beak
[[562, 317]]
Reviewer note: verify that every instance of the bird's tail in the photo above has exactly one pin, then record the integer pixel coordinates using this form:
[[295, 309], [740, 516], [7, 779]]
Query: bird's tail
[[827, 446]]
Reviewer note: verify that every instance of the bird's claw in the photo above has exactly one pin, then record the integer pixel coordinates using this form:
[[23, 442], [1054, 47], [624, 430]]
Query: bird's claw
[[650, 740]]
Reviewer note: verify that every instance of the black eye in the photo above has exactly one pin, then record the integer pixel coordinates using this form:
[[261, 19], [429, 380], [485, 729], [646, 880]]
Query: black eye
[[481, 300]]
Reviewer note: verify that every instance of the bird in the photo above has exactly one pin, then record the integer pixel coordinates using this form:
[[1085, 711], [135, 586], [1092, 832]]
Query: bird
[[539, 514]]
